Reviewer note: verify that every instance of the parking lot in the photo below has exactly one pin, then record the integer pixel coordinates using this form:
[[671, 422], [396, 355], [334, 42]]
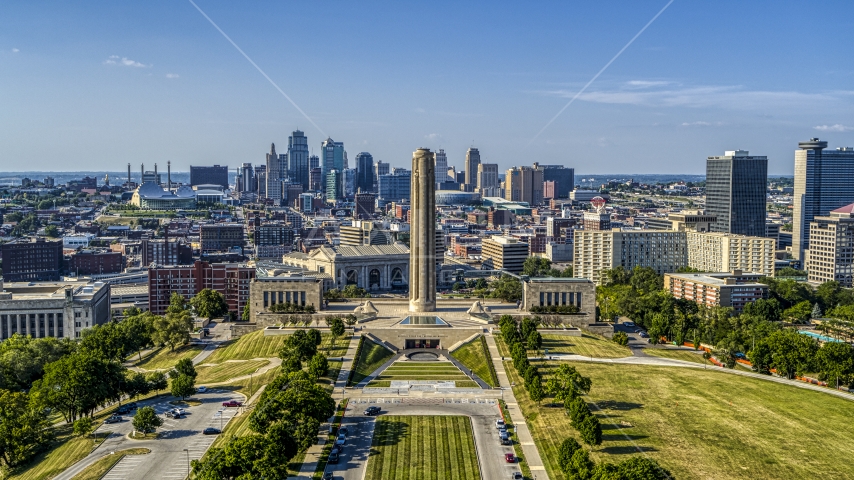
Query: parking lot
[[483, 413], [181, 440]]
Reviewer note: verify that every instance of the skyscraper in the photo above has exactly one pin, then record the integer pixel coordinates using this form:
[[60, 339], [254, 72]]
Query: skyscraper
[[275, 170], [247, 179], [487, 179], [472, 161], [824, 181], [364, 172], [441, 166], [380, 168], [735, 192], [524, 184], [298, 166], [563, 177], [331, 156], [313, 162], [334, 185]]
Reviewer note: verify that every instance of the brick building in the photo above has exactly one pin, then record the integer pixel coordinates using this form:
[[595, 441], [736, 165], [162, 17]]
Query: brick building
[[230, 279], [33, 259], [94, 262], [220, 236]]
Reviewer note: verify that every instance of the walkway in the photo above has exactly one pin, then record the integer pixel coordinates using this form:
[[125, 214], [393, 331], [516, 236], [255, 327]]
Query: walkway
[[517, 419], [314, 452]]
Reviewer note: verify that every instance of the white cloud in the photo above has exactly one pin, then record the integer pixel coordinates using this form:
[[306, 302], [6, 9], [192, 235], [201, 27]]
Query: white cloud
[[123, 61], [420, 110], [15, 50], [696, 124], [833, 128], [432, 136], [665, 94], [172, 75]]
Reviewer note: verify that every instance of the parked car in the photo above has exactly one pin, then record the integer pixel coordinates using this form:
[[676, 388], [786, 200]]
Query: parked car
[[132, 405], [506, 441], [372, 411], [516, 476], [499, 424], [123, 410], [328, 476], [180, 411], [113, 419], [628, 324], [509, 458], [344, 430], [341, 440], [333, 456], [202, 389], [232, 403], [643, 335], [211, 431]]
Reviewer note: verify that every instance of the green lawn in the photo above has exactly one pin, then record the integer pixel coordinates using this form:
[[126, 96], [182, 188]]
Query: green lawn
[[586, 345], [475, 357], [256, 345], [371, 357], [165, 358], [105, 463], [702, 423], [677, 354], [422, 448], [227, 370], [406, 370]]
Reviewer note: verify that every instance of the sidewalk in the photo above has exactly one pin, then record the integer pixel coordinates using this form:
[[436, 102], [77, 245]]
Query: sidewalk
[[529, 448], [314, 452]]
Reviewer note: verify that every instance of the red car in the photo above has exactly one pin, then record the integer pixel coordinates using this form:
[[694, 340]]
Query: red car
[[509, 458], [232, 403]]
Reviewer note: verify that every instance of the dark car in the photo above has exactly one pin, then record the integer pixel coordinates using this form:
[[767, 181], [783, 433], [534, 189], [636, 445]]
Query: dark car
[[123, 410], [232, 403], [516, 476], [211, 431], [113, 419], [328, 476], [333, 456], [132, 405], [372, 411], [344, 430], [509, 458]]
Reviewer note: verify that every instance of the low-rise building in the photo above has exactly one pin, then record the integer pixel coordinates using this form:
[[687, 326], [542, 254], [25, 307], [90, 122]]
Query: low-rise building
[[52, 309], [663, 251], [218, 237], [229, 279], [31, 259], [283, 287], [372, 267], [557, 292], [94, 262], [734, 290]]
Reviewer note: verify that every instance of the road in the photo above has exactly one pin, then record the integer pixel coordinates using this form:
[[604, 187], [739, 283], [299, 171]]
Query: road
[[167, 459], [483, 415]]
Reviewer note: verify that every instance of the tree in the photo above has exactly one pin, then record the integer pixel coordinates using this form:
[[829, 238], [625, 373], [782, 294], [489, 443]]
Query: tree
[[146, 420], [350, 320], [246, 313], [336, 327], [535, 389], [354, 291], [106, 341], [136, 385], [23, 428], [51, 231], [574, 461], [184, 367], [301, 345], [157, 381], [536, 266], [527, 326], [318, 366], [209, 303], [77, 383], [816, 311], [577, 410], [183, 386], [621, 338], [787, 351], [174, 328], [566, 383], [835, 362], [642, 468], [507, 288], [799, 313], [534, 340], [22, 359], [83, 427], [590, 430], [768, 310], [457, 286]]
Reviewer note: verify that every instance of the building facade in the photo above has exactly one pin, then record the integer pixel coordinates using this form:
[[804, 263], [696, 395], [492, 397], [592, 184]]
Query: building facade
[[215, 175], [831, 253], [298, 164], [504, 253], [563, 177], [266, 291], [168, 251], [230, 279], [274, 174], [364, 173], [374, 268], [524, 184], [331, 157], [824, 180], [487, 178], [441, 166], [472, 161], [33, 259], [56, 309], [220, 236], [396, 186], [723, 252], [734, 290], [546, 292], [735, 192], [90, 262], [597, 251]]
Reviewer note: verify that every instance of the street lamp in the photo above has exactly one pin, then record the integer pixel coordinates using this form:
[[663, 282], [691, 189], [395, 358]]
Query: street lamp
[[188, 463]]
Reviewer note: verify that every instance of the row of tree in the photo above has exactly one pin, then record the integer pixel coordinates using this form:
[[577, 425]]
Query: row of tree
[[575, 463]]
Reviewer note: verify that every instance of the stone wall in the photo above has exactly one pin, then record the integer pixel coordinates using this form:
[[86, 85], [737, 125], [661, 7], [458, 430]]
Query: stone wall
[[312, 288]]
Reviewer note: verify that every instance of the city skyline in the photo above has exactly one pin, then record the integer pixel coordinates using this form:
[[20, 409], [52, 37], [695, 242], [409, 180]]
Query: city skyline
[[157, 82]]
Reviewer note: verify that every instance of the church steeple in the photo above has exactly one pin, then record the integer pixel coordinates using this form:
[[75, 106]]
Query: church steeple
[[273, 150]]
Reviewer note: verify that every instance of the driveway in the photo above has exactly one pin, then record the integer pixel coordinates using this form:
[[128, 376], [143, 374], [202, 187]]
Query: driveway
[[167, 458], [353, 461]]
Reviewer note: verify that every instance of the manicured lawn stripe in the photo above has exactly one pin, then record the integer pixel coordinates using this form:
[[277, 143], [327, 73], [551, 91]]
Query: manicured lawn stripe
[[586, 345], [225, 371], [370, 358], [166, 359], [476, 358], [684, 355], [422, 448]]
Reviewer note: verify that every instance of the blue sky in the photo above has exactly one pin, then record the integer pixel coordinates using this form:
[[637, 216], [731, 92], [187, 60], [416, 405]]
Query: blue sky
[[94, 85]]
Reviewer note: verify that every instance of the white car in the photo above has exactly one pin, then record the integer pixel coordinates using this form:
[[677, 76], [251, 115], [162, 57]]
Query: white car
[[202, 389], [628, 324]]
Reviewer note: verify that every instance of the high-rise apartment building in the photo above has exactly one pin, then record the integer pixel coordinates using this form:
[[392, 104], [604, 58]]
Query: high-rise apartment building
[[274, 174], [524, 184], [831, 253], [261, 180], [334, 185], [595, 252], [331, 157], [298, 165], [824, 180], [735, 192], [487, 179], [563, 177], [215, 175], [364, 172], [726, 252], [472, 161], [441, 166]]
